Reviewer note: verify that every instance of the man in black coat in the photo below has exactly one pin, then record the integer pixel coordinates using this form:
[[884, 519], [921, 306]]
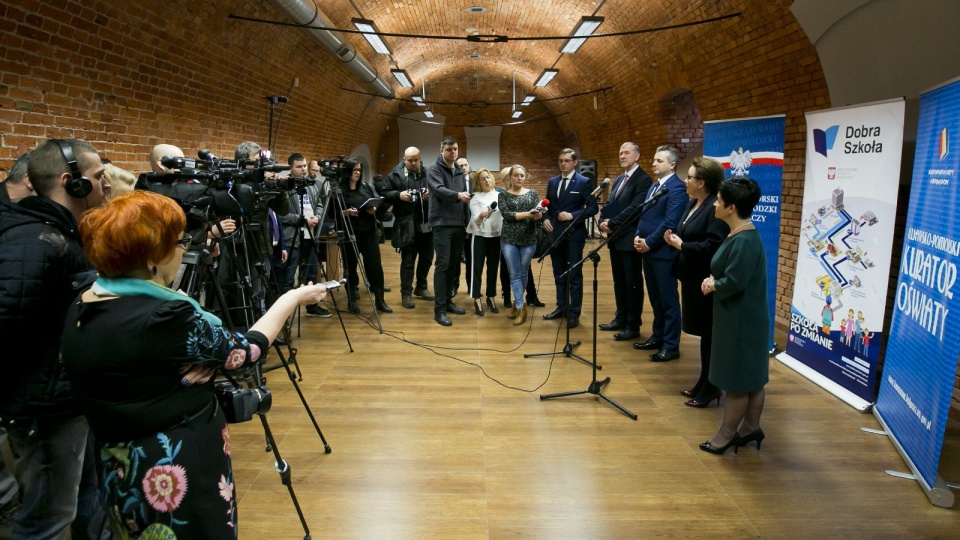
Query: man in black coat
[[626, 194], [42, 268]]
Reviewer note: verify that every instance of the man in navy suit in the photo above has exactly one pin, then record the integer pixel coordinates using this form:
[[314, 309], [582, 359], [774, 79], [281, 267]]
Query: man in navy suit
[[626, 194], [571, 203], [663, 214]]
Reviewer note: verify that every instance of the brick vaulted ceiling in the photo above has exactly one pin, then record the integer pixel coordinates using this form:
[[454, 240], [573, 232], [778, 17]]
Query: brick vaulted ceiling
[[608, 62]]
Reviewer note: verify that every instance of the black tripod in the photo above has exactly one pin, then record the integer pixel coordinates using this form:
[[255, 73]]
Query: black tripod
[[569, 347], [596, 386]]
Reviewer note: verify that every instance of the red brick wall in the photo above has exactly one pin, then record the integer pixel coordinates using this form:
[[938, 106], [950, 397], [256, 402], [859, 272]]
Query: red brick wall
[[681, 120]]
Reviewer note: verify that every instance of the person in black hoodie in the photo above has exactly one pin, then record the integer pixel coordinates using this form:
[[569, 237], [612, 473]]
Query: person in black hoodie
[[406, 189], [42, 267]]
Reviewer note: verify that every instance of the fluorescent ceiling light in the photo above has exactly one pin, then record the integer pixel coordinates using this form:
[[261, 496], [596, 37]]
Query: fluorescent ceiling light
[[419, 101], [516, 114], [372, 35], [528, 100], [586, 27], [428, 113], [546, 77], [402, 78]]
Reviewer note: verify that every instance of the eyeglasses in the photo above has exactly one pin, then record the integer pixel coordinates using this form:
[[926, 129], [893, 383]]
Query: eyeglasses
[[185, 241]]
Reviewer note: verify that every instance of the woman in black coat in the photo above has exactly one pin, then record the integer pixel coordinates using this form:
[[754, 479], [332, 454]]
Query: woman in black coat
[[698, 236], [363, 220]]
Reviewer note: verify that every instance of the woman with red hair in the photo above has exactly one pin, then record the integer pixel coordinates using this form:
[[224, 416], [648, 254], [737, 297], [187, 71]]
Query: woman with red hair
[[140, 357]]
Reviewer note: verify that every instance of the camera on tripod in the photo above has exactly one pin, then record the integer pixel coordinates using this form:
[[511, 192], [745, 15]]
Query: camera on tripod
[[240, 404], [334, 172]]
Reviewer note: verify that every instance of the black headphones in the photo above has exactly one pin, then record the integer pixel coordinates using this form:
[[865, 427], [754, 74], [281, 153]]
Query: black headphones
[[78, 186]]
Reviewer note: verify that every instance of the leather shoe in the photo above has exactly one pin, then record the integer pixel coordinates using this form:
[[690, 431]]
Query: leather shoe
[[573, 322], [626, 335], [382, 306], [555, 314], [536, 302], [453, 308], [442, 318], [664, 355], [612, 326], [407, 302], [648, 345], [423, 293]]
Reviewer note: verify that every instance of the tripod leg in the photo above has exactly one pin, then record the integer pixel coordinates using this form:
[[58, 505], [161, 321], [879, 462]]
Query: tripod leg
[[283, 469]]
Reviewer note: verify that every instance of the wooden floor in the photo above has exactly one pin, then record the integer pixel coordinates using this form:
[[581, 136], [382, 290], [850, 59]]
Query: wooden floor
[[428, 445]]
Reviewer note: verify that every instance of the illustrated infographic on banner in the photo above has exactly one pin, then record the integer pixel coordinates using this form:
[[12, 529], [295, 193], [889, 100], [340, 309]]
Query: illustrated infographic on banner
[[921, 356], [844, 251], [753, 147]]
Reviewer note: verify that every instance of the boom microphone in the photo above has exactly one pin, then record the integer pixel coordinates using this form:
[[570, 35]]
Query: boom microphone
[[605, 183], [541, 207]]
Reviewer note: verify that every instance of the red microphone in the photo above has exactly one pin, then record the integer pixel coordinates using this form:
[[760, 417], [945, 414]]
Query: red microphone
[[542, 207]]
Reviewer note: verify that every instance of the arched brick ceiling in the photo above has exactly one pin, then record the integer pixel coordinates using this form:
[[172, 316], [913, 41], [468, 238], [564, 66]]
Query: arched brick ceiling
[[628, 61]]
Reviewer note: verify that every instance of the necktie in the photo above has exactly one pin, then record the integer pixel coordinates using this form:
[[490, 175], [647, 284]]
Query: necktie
[[656, 188], [563, 187], [622, 183]]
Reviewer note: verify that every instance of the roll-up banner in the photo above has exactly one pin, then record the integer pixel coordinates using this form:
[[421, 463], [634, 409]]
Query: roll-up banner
[[844, 247], [921, 355], [753, 147]]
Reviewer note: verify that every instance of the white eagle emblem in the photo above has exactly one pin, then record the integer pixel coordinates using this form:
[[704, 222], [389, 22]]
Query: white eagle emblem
[[740, 162]]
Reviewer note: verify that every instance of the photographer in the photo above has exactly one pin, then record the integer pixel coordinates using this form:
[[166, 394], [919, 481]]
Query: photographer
[[162, 437], [406, 189]]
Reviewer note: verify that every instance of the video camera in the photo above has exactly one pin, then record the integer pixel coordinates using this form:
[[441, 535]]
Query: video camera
[[334, 171]]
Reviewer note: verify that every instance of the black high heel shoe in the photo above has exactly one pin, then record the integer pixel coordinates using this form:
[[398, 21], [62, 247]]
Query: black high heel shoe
[[704, 404], [755, 436], [736, 443], [478, 307], [491, 305]]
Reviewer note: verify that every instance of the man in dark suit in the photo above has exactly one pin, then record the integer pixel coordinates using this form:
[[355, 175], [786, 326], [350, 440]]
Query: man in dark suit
[[664, 214], [626, 194], [571, 203]]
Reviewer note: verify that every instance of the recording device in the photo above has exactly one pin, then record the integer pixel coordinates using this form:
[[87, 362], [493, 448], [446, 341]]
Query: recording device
[[541, 207], [333, 169], [492, 207], [605, 183], [333, 284], [240, 404], [414, 194]]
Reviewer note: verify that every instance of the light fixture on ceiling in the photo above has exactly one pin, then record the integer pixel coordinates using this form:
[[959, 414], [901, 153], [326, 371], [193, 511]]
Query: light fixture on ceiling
[[546, 77], [402, 78], [528, 100], [372, 35], [419, 101], [428, 113], [516, 114], [586, 27], [476, 9]]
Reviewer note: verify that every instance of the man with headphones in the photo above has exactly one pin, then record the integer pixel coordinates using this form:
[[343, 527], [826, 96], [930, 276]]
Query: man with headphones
[[42, 267]]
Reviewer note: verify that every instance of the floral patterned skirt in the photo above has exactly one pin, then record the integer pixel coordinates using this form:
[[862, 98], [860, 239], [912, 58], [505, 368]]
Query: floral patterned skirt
[[175, 484]]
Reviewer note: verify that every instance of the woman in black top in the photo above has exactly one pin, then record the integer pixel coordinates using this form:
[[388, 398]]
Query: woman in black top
[[698, 236], [140, 357], [518, 237], [363, 220]]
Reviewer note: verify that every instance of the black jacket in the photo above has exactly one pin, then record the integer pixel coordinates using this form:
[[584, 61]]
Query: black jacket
[[445, 184], [397, 181], [42, 268]]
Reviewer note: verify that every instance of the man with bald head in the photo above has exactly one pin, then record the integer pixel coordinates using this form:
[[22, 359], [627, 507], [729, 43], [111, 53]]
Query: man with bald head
[[158, 152], [406, 189]]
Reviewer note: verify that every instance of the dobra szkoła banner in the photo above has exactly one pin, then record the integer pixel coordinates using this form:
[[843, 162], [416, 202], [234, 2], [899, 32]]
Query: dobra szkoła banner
[[921, 354], [753, 147], [844, 247]]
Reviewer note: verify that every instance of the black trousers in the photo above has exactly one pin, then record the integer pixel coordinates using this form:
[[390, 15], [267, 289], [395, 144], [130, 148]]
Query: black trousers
[[419, 255], [628, 287], [566, 253], [448, 244], [483, 253], [368, 244]]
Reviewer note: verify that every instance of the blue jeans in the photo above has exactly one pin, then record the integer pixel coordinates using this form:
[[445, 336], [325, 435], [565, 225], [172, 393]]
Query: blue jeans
[[518, 264], [48, 461]]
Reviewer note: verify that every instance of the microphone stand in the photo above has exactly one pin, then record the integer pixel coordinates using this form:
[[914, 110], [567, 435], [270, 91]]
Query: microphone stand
[[569, 347], [596, 387]]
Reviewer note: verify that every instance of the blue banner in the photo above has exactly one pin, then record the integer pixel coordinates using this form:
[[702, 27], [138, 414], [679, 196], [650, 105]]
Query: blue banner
[[753, 147], [845, 247], [921, 355]]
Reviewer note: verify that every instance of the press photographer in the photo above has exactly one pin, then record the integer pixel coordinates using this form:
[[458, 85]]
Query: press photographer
[[140, 358]]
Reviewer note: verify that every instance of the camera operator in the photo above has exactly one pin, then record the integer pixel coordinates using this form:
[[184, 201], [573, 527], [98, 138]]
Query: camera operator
[[148, 403], [17, 186], [406, 189], [42, 266]]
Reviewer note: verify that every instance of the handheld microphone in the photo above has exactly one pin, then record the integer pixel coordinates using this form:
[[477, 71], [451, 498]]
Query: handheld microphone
[[541, 207], [493, 206], [172, 162], [207, 155], [605, 183]]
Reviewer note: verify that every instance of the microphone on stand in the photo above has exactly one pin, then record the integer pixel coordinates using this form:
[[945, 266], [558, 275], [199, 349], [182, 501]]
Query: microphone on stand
[[653, 198], [605, 183], [541, 206]]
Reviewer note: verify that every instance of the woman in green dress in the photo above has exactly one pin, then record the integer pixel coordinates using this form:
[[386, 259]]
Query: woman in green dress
[[740, 363]]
